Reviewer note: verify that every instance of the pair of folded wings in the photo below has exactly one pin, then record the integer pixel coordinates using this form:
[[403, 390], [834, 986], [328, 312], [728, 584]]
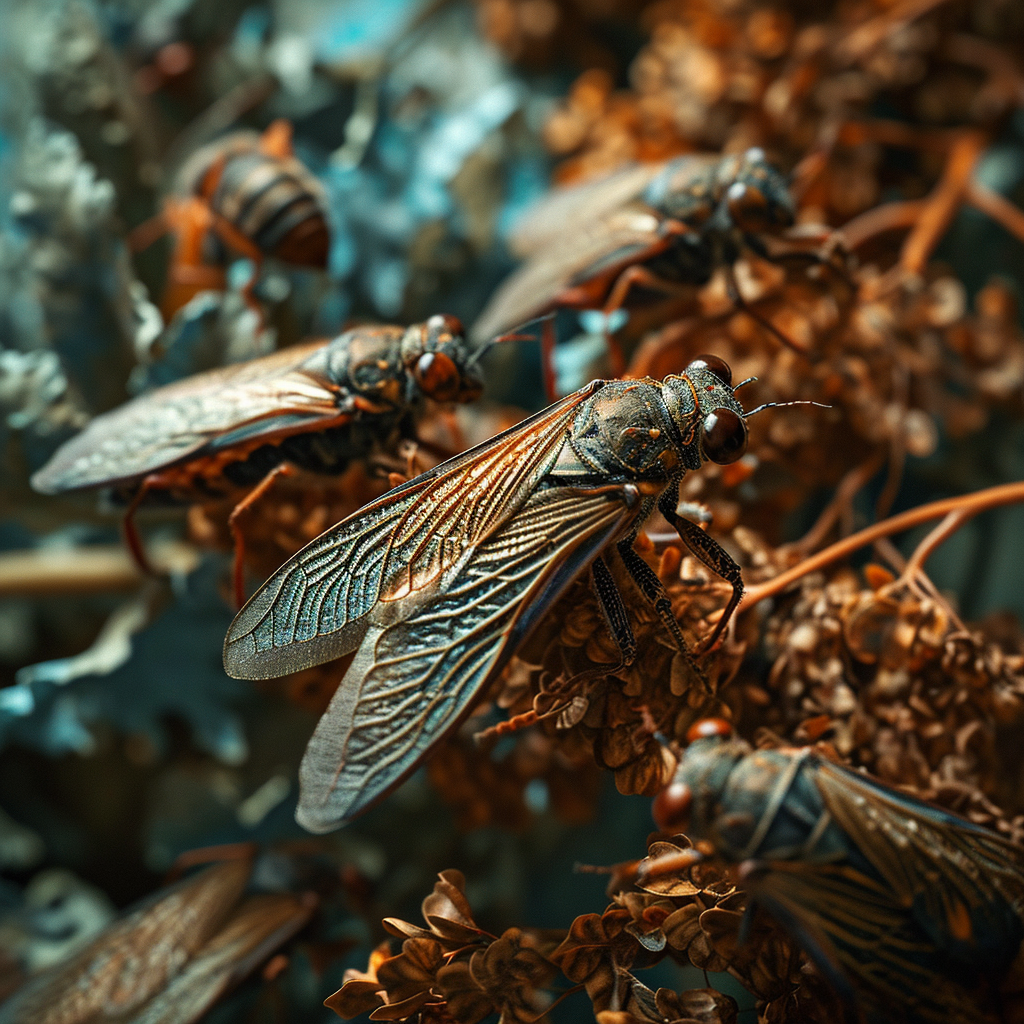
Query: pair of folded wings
[[946, 892], [436, 583], [176, 422]]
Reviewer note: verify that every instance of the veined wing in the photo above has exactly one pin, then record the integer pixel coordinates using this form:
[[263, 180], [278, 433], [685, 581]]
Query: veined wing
[[174, 422], [424, 659], [599, 248], [855, 930], [963, 883], [314, 608], [568, 209]]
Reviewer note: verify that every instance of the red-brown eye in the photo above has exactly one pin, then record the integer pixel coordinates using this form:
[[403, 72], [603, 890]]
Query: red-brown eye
[[671, 807], [707, 727], [725, 436], [748, 208], [437, 376], [719, 367]]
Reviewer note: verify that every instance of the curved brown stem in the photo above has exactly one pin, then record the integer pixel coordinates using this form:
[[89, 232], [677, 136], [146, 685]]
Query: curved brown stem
[[967, 505]]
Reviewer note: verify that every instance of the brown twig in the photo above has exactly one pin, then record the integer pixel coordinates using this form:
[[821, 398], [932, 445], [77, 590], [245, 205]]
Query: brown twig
[[966, 505], [998, 207], [99, 568]]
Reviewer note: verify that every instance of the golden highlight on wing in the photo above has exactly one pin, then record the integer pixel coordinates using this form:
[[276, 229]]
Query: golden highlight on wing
[[311, 610]]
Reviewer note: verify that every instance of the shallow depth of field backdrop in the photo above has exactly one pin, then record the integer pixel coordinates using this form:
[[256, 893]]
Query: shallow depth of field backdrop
[[432, 126]]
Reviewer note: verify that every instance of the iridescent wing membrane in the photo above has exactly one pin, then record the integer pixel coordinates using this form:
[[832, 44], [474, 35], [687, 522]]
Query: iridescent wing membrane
[[436, 583], [206, 411]]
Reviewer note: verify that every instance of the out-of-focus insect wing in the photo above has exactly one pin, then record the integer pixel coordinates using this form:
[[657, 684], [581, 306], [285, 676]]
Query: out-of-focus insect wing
[[571, 208], [598, 248], [853, 927], [132, 960], [219, 407], [964, 883], [255, 929]]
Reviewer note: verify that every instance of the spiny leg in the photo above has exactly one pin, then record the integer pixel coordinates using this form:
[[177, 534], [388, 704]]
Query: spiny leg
[[238, 568], [614, 610], [710, 552], [733, 289]]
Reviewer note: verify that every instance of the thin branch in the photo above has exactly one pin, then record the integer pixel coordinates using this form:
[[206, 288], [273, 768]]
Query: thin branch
[[968, 505]]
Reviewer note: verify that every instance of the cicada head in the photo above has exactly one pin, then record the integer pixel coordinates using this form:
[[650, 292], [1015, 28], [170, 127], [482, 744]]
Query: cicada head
[[437, 359], [694, 798], [755, 198], [702, 402]]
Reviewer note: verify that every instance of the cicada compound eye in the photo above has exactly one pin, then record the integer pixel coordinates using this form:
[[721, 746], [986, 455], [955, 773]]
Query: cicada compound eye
[[671, 807], [705, 728], [748, 208], [437, 376], [725, 436], [442, 327], [719, 367]]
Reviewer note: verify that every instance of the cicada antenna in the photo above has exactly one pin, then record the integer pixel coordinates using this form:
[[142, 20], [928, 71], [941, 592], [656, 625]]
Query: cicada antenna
[[779, 405], [514, 335], [744, 383]]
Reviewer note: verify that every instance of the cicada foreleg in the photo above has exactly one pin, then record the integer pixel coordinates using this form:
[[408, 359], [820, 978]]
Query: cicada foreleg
[[238, 565], [131, 532], [707, 550], [654, 591]]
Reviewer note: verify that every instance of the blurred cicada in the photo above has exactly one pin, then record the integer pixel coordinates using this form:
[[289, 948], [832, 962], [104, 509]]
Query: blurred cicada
[[231, 431], [913, 913], [642, 232], [440, 580], [245, 194]]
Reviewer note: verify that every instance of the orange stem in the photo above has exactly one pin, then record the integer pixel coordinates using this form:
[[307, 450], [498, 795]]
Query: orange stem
[[968, 505]]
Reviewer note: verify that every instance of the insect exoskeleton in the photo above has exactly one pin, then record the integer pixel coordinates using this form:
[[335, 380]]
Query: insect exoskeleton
[[911, 912], [643, 232], [231, 431], [439, 581], [245, 194]]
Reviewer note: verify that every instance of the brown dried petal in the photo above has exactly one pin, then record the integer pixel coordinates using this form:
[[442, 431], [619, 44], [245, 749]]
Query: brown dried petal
[[447, 910], [467, 1002], [355, 997], [696, 1005]]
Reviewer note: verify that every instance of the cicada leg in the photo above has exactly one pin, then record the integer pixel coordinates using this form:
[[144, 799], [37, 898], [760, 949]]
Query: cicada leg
[[636, 276], [733, 289], [238, 567], [130, 530], [710, 552]]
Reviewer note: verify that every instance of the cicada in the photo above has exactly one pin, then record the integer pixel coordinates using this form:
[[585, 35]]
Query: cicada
[[231, 431], [247, 194], [913, 913], [645, 231], [441, 579], [168, 959]]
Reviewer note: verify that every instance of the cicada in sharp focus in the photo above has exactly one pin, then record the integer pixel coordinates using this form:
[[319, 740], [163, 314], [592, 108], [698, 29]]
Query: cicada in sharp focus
[[245, 194], [644, 232], [913, 913], [231, 431], [440, 580]]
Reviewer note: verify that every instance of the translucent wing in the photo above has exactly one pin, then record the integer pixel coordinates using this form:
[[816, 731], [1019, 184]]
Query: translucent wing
[[862, 940], [601, 248], [134, 959], [963, 883], [571, 208], [165, 426], [413, 679], [316, 606]]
